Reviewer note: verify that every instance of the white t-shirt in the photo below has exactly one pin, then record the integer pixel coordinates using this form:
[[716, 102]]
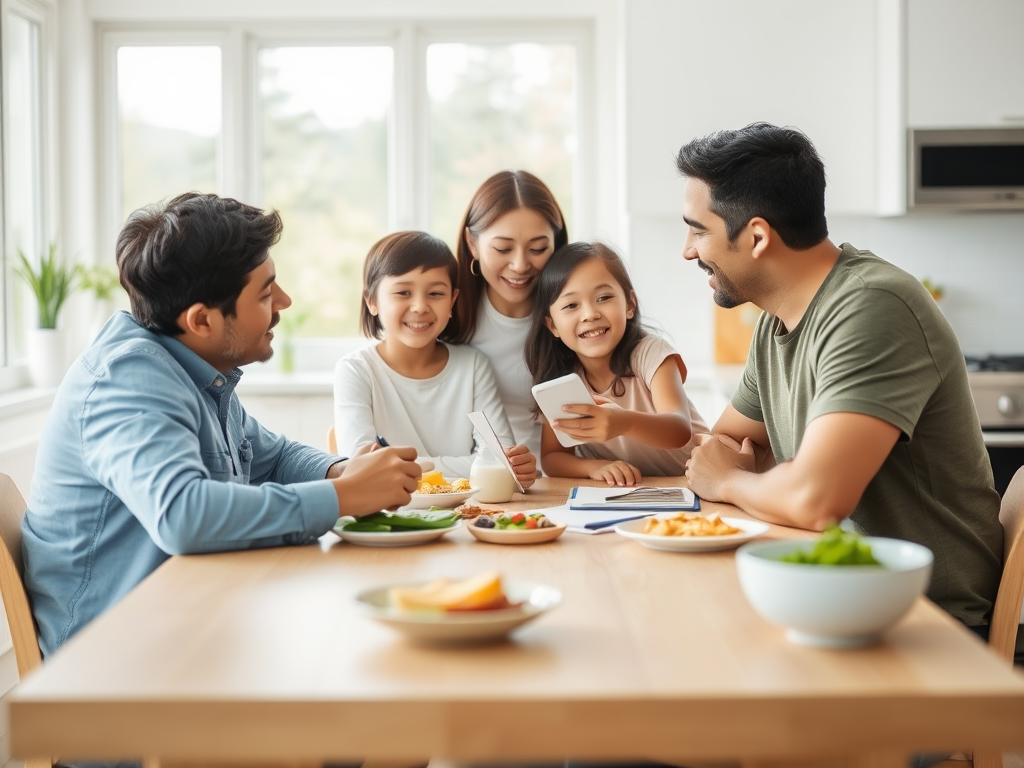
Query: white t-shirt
[[503, 340], [371, 399], [647, 357]]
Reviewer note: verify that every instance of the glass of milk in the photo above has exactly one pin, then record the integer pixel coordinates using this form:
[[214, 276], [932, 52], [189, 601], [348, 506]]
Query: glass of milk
[[493, 479]]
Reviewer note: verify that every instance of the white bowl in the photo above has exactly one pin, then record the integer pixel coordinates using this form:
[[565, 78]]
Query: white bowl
[[835, 606], [442, 500], [461, 627], [516, 535]]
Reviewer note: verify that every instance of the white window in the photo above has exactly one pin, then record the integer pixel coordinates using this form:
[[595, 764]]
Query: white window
[[351, 131], [25, 161]]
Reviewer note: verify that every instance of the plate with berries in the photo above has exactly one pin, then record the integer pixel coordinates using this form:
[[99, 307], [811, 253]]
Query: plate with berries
[[500, 527]]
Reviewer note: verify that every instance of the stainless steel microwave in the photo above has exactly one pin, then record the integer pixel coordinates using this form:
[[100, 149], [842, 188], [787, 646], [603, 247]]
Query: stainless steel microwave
[[968, 168]]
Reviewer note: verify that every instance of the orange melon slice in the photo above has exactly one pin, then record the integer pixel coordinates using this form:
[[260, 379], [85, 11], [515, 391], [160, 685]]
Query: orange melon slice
[[475, 593]]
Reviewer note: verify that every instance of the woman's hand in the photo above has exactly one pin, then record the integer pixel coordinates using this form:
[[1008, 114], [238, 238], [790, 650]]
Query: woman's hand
[[617, 473], [524, 463], [596, 423]]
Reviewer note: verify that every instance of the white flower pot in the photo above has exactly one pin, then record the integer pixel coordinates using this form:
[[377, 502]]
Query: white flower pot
[[47, 356]]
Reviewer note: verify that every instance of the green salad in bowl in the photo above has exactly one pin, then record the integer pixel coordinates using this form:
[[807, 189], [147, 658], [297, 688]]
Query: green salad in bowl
[[834, 547]]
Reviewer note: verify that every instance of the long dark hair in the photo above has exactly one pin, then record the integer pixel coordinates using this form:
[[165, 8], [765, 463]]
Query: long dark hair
[[503, 192], [547, 357], [399, 254]]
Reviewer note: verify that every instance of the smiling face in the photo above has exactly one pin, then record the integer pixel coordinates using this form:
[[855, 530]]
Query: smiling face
[[510, 255], [591, 313], [247, 333], [413, 308], [708, 243]]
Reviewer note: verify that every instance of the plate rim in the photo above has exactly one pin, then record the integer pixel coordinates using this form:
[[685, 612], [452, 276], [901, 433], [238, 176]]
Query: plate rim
[[399, 535], [696, 542], [561, 527], [457, 618]]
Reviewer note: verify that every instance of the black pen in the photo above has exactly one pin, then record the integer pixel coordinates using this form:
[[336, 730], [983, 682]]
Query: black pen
[[382, 442]]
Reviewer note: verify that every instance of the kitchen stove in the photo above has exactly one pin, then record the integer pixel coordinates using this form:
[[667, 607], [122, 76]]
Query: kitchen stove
[[997, 384]]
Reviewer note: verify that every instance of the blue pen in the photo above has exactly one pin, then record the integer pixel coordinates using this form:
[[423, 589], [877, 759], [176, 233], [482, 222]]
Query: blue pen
[[605, 523], [382, 442]]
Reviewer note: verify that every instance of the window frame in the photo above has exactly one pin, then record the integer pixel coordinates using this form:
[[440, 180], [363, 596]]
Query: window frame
[[409, 138], [14, 370]]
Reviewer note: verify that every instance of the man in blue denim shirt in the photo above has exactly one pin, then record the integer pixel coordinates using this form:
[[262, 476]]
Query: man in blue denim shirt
[[148, 453]]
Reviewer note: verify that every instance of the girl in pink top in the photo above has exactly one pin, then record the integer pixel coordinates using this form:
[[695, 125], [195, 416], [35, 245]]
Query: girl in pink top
[[586, 319]]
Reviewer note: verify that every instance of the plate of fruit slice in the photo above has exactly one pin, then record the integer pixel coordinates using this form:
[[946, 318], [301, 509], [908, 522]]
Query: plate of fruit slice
[[498, 527], [479, 609]]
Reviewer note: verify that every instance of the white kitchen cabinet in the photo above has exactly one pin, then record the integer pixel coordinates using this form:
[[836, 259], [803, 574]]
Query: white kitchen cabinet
[[965, 63], [692, 68]]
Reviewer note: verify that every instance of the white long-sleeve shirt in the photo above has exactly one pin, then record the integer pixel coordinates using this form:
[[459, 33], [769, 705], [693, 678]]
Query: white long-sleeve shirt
[[503, 340], [371, 399]]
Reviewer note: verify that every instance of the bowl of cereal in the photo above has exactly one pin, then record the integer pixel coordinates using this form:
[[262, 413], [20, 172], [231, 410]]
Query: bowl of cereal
[[436, 491]]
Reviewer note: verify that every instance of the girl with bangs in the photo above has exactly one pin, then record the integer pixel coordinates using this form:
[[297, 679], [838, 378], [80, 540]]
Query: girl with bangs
[[586, 319], [410, 387]]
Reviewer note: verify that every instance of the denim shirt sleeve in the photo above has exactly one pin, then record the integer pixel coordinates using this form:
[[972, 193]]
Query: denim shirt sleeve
[[147, 436]]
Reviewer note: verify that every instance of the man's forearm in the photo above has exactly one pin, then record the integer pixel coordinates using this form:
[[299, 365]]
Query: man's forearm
[[781, 495]]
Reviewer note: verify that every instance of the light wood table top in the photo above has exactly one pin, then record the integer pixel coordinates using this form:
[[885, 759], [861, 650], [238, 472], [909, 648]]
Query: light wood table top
[[264, 655]]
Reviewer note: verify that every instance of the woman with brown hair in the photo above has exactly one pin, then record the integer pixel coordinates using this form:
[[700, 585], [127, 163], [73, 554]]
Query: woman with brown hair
[[512, 226]]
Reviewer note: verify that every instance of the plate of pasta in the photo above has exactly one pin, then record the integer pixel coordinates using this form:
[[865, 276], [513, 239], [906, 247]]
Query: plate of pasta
[[691, 532], [436, 491]]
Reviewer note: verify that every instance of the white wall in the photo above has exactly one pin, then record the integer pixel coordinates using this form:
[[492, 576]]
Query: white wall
[[692, 68]]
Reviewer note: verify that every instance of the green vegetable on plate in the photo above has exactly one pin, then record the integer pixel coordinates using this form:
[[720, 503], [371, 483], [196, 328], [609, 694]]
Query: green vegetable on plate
[[383, 522]]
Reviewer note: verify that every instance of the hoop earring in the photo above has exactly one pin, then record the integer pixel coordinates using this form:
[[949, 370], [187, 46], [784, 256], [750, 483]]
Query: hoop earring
[[471, 265]]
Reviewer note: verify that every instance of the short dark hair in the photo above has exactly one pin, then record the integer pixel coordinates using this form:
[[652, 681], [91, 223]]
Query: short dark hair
[[762, 170], [548, 357], [195, 248], [399, 254], [502, 193]]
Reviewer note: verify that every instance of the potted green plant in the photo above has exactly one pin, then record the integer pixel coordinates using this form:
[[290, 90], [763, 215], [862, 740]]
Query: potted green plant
[[51, 283]]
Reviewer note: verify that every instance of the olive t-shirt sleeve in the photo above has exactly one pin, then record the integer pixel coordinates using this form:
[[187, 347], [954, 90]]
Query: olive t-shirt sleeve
[[874, 359], [747, 400]]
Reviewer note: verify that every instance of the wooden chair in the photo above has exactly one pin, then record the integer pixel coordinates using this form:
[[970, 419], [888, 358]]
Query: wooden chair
[[332, 441], [12, 589], [1006, 613], [1002, 635]]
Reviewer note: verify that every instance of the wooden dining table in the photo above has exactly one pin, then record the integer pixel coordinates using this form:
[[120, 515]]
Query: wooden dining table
[[264, 655]]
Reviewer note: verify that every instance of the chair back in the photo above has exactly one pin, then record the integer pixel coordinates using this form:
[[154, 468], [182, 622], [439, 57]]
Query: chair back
[[332, 441], [1006, 613], [12, 589]]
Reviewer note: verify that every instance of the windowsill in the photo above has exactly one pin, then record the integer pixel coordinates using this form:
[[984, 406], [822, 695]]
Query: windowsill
[[25, 400], [269, 383]]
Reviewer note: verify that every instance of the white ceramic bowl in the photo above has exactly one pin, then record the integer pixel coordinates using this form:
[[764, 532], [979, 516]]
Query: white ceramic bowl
[[514, 535], [442, 500], [833, 606]]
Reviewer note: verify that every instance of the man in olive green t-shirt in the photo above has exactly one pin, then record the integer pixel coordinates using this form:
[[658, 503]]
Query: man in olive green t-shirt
[[854, 401]]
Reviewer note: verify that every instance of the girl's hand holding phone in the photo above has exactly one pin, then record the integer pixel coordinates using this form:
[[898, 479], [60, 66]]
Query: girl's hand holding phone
[[524, 463], [617, 473], [597, 423]]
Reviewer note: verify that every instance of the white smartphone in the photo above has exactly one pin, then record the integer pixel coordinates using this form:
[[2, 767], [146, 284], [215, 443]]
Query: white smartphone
[[565, 390]]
